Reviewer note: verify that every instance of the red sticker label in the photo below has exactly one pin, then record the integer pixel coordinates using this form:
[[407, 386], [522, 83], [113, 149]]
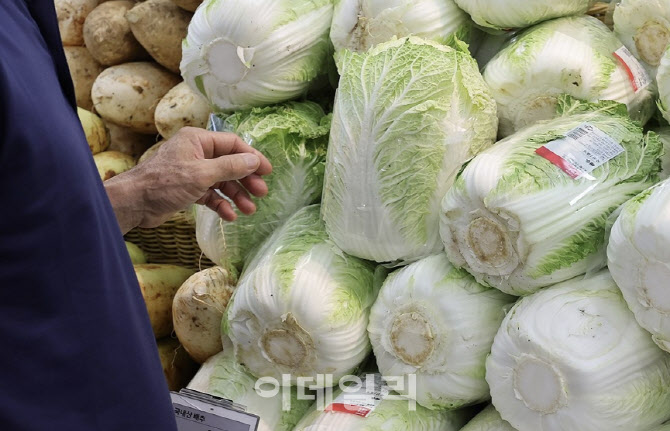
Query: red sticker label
[[349, 408], [558, 161], [361, 400], [637, 74], [581, 150]]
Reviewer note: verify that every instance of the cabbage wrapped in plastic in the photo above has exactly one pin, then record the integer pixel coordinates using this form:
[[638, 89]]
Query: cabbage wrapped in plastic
[[293, 136], [644, 27], [359, 25], [639, 259], [572, 357], [488, 420], [512, 14], [223, 377], [663, 82], [435, 323], [407, 114], [578, 56], [519, 222], [389, 414], [664, 135], [301, 307], [241, 53]]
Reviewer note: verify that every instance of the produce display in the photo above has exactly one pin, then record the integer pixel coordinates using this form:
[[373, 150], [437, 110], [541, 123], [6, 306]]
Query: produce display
[[512, 14], [302, 306], [294, 137], [436, 322], [488, 420], [638, 256], [197, 310], [572, 55], [491, 227], [407, 114], [232, 56], [223, 376], [663, 82], [664, 136], [469, 203], [388, 415], [572, 357], [644, 27], [358, 25]]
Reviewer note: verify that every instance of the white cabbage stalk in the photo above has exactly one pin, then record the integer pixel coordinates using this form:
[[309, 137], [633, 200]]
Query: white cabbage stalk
[[389, 415], [519, 223], [293, 136], [223, 377], [565, 56], [572, 357], [639, 259], [359, 25], [512, 14], [664, 136], [663, 82], [241, 53], [644, 27], [488, 420], [302, 306], [407, 114], [436, 322]]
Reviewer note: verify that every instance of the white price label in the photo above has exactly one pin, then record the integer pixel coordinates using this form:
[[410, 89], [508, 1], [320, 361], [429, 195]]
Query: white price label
[[362, 400], [581, 150], [195, 411], [636, 72]]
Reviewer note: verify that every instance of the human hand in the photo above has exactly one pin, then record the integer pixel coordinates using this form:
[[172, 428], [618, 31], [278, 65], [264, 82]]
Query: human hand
[[187, 169]]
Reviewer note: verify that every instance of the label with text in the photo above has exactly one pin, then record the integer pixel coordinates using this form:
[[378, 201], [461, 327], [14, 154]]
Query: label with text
[[363, 400], [636, 72], [581, 150]]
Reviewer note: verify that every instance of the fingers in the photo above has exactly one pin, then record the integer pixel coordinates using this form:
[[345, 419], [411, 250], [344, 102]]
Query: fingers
[[219, 205], [229, 168], [219, 144], [239, 196], [255, 185]]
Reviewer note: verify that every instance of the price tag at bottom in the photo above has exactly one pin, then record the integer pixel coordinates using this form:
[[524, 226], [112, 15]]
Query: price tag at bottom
[[196, 411], [363, 400]]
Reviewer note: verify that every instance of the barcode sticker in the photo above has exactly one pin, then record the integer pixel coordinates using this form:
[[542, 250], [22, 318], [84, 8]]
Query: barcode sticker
[[363, 400], [636, 72], [581, 150]]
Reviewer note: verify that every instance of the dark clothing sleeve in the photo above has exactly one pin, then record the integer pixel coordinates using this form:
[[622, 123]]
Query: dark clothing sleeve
[[78, 353]]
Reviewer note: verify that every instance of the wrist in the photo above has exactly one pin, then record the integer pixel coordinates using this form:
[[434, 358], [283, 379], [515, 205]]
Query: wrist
[[126, 194]]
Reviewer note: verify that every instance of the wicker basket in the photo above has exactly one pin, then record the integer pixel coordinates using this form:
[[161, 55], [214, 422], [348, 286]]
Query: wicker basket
[[172, 242]]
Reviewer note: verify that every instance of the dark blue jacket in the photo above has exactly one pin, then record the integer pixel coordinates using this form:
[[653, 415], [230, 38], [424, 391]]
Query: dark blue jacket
[[77, 350]]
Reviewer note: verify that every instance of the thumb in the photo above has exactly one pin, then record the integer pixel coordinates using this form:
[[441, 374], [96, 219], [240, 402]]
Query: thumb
[[230, 167]]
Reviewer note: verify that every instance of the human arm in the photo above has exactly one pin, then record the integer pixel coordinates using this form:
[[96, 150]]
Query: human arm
[[187, 169]]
